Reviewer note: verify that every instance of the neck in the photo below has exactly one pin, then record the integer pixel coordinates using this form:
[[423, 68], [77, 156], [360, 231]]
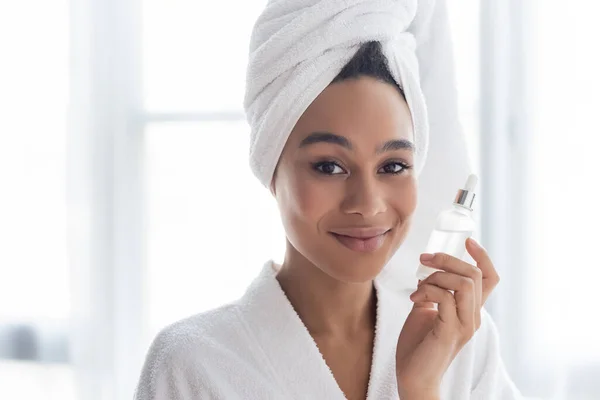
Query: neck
[[327, 306]]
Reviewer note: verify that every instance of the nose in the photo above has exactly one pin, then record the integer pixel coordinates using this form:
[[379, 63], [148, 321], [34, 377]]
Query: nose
[[364, 195]]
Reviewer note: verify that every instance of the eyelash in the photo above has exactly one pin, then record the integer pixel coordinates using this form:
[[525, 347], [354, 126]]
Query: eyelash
[[316, 166]]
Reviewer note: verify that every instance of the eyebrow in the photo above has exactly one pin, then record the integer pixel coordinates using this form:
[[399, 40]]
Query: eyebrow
[[396, 144], [327, 137]]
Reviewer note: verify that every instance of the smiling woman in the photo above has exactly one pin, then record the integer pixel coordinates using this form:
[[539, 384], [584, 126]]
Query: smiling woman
[[344, 174]]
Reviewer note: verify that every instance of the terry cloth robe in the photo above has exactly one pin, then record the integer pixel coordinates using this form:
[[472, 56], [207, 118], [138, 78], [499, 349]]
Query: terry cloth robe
[[258, 348]]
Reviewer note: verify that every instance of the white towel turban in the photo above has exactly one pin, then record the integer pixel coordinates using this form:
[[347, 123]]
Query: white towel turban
[[299, 46]]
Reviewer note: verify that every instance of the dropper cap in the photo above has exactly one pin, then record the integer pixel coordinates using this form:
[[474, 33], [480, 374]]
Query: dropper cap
[[466, 196]]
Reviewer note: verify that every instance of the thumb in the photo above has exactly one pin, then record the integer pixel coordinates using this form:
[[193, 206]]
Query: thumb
[[422, 304]]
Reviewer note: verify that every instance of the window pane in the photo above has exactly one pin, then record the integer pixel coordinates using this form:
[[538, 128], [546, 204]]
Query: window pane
[[565, 185], [464, 27], [211, 224], [195, 53], [29, 381], [34, 82], [34, 282]]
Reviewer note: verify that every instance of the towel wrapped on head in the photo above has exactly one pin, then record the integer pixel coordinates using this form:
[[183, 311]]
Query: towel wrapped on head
[[298, 47]]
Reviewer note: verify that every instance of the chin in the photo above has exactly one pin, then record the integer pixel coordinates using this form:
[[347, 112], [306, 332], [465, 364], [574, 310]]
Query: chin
[[352, 268]]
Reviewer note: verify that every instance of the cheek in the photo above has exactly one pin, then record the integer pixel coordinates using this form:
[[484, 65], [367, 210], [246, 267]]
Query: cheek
[[311, 199], [303, 200], [404, 200]]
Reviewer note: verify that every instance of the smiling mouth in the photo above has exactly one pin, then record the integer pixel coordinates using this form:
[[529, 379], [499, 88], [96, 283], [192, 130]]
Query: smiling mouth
[[362, 240]]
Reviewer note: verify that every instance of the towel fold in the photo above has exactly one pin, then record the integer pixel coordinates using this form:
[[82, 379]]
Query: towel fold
[[298, 47]]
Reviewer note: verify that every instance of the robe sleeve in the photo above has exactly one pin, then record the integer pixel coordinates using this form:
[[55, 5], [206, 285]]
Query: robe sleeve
[[490, 378]]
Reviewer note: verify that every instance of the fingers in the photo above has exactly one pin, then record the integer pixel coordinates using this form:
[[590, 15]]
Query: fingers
[[444, 299], [467, 308], [489, 275], [459, 288], [448, 263]]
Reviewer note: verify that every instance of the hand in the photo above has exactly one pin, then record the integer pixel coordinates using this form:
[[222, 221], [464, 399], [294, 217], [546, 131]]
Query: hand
[[431, 338]]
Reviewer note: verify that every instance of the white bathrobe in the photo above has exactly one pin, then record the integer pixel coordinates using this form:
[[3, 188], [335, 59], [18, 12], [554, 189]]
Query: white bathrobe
[[258, 348]]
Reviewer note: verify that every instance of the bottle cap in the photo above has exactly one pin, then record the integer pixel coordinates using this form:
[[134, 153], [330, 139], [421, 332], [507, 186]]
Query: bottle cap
[[466, 196]]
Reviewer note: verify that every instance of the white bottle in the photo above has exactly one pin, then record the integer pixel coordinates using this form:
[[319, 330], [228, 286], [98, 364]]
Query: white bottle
[[452, 228]]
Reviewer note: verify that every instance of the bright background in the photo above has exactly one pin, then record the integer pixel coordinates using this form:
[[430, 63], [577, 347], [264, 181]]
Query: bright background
[[123, 156]]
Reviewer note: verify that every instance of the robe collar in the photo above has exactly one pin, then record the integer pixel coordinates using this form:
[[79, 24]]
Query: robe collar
[[293, 356]]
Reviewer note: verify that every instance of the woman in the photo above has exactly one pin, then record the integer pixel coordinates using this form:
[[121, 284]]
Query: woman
[[342, 157]]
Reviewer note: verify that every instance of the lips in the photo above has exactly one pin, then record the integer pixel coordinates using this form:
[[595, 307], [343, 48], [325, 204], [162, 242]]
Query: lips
[[361, 239]]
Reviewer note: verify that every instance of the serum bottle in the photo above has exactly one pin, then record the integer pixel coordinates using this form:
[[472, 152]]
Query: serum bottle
[[452, 228]]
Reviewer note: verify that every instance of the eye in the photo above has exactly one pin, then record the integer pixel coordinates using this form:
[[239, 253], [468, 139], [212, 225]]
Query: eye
[[394, 168], [328, 168]]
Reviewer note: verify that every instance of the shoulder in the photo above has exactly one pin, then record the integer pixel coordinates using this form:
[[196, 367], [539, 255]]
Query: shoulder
[[184, 338], [177, 359]]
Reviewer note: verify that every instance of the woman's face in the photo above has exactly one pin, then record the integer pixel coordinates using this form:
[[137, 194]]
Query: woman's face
[[344, 183]]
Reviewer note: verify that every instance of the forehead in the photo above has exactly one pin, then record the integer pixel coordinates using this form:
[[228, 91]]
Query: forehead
[[364, 110]]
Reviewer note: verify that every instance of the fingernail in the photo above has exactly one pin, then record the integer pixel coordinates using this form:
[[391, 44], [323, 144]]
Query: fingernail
[[475, 243], [426, 257]]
